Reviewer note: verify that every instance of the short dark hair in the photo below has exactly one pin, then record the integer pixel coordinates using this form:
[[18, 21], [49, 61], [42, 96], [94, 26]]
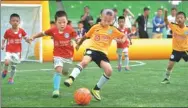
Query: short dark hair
[[80, 22], [121, 17], [134, 25], [160, 9], [181, 13], [14, 15], [86, 7], [146, 9], [69, 22], [114, 9], [174, 9], [52, 22], [60, 14]]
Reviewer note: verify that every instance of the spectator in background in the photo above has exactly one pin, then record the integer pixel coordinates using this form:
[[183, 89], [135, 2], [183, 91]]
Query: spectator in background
[[129, 16], [87, 18], [52, 24], [142, 21], [171, 18], [158, 24], [115, 22], [81, 31], [69, 23], [99, 18], [134, 32]]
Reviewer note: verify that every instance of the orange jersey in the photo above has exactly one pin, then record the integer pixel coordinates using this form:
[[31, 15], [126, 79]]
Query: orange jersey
[[101, 37], [180, 37]]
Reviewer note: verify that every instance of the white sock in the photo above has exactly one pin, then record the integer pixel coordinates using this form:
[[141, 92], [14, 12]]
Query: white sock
[[101, 82], [13, 71], [167, 74], [76, 71], [119, 59], [126, 60]]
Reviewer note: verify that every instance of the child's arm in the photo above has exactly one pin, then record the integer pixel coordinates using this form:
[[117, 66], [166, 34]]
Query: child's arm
[[165, 17], [38, 35], [3, 44], [80, 42]]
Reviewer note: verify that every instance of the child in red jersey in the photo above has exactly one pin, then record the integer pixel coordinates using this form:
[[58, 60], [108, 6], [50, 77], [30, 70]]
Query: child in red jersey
[[13, 43], [63, 48], [123, 47]]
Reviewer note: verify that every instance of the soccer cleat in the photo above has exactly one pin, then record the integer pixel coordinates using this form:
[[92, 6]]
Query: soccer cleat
[[96, 94], [119, 68], [165, 81], [55, 94], [11, 81], [127, 68], [4, 73], [68, 82]]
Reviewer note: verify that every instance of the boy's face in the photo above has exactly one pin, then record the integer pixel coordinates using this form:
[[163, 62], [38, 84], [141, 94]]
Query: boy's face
[[133, 28], [80, 25], [147, 12], [107, 20], [180, 19], [61, 22], [14, 21], [173, 12], [159, 12], [121, 22], [52, 25]]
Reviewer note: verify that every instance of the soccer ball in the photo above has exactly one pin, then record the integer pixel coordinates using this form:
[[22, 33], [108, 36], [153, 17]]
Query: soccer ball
[[82, 96]]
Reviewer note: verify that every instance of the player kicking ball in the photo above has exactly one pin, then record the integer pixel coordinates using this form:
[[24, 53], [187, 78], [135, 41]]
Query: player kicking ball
[[13, 43], [179, 42], [101, 36], [63, 48], [122, 48]]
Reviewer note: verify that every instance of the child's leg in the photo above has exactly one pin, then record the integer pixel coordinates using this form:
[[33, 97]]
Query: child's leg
[[169, 69], [58, 65], [76, 71], [126, 60], [119, 52], [104, 78], [5, 70]]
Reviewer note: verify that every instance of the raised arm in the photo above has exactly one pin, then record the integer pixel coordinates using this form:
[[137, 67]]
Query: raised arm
[[165, 17], [132, 15]]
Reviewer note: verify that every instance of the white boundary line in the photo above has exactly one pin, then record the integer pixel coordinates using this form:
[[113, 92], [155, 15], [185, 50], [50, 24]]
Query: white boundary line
[[88, 68]]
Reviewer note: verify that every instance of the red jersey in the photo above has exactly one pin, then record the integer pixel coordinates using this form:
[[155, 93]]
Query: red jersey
[[126, 43], [62, 41], [14, 40]]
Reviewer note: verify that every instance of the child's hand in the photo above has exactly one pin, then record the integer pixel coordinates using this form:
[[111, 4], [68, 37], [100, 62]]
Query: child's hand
[[2, 47], [77, 47], [28, 40]]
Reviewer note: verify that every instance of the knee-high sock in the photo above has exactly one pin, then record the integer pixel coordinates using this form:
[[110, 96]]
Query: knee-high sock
[[57, 80], [119, 59], [76, 71], [13, 71], [101, 82], [126, 60]]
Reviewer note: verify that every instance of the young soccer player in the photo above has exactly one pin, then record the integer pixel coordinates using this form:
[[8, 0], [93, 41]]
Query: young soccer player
[[101, 36], [179, 42], [13, 43], [63, 48], [122, 48], [134, 32]]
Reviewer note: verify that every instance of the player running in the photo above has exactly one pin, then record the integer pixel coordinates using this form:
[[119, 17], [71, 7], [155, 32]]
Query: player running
[[179, 42], [101, 36], [13, 43], [63, 47], [122, 48]]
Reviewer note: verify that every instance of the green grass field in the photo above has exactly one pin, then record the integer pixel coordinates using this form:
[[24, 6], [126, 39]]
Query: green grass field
[[140, 87]]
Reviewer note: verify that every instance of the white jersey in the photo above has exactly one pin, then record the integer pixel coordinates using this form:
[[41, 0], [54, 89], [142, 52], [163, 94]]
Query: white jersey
[[170, 19], [115, 22], [128, 22]]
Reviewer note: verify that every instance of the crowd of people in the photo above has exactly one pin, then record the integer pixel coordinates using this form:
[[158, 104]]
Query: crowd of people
[[138, 26]]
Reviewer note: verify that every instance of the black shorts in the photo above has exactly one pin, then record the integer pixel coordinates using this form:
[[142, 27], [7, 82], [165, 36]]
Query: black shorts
[[97, 56], [177, 55]]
